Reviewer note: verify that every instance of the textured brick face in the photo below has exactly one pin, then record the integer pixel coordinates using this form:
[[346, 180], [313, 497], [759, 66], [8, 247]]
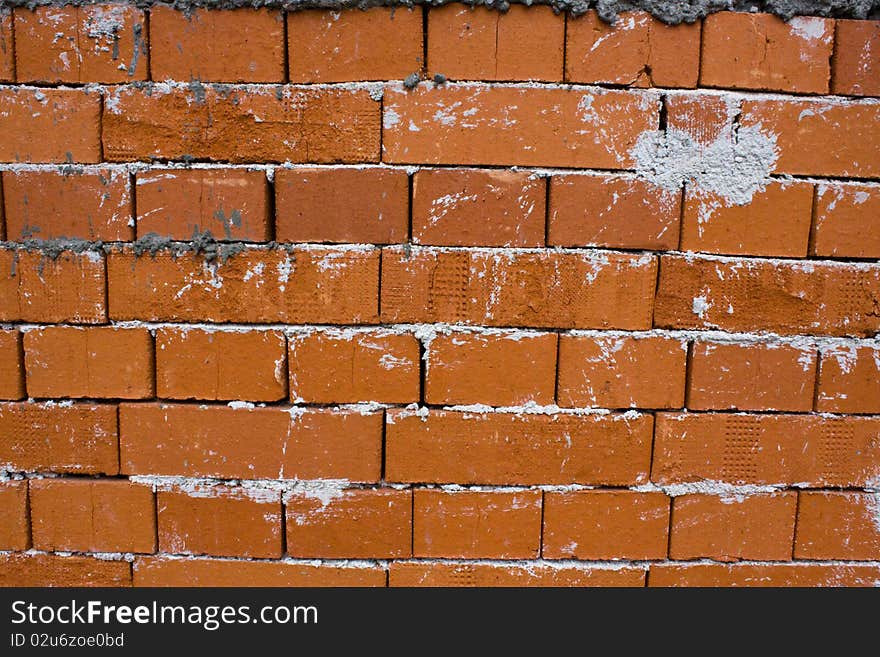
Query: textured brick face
[[437, 296]]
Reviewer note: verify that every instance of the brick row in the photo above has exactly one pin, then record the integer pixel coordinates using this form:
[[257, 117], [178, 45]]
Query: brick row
[[112, 44], [447, 207]]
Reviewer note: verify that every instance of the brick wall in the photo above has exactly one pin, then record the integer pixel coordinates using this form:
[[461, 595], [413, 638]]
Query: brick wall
[[586, 306]]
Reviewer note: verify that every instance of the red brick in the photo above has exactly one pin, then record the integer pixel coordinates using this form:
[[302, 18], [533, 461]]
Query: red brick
[[760, 295], [369, 206], [221, 521], [99, 361], [703, 117], [7, 49], [350, 46], [565, 290], [847, 221], [838, 525], [370, 524], [474, 207], [231, 203], [856, 63], [200, 364], [50, 125], [819, 137], [92, 205], [11, 366], [76, 438], [51, 570], [328, 368], [760, 51], [230, 45], [93, 43], [605, 525], [164, 571], [759, 527], [262, 124], [775, 222], [477, 525], [776, 575], [249, 443], [613, 212], [621, 372], [466, 368], [86, 515], [751, 377], [322, 285], [445, 574], [35, 287], [503, 125], [849, 380], [15, 533], [481, 43], [637, 50], [508, 449], [807, 450]]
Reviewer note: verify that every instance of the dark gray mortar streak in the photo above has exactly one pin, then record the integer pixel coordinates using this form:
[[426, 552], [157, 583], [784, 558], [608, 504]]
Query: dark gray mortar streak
[[668, 11]]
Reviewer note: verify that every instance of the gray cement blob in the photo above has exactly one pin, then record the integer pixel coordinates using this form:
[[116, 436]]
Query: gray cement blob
[[668, 11]]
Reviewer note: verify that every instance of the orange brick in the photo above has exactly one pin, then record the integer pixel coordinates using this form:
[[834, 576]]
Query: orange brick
[[759, 527], [761, 51], [819, 137], [507, 449], [221, 521], [249, 443], [704, 117], [371, 524], [99, 361], [319, 285], [239, 125], [369, 206], [233, 204], [856, 63], [775, 222], [849, 380], [350, 46], [481, 43], [808, 450], [87, 515], [92, 205], [612, 211], [327, 368], [50, 125], [477, 525], [228, 45], [165, 571], [445, 574], [15, 532], [51, 570], [621, 372], [637, 50], [605, 525], [838, 525], [93, 43], [505, 125], [715, 575], [199, 364], [847, 221], [37, 287], [751, 377], [463, 368], [474, 207], [761, 295], [11, 366], [59, 438], [541, 289], [7, 49]]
